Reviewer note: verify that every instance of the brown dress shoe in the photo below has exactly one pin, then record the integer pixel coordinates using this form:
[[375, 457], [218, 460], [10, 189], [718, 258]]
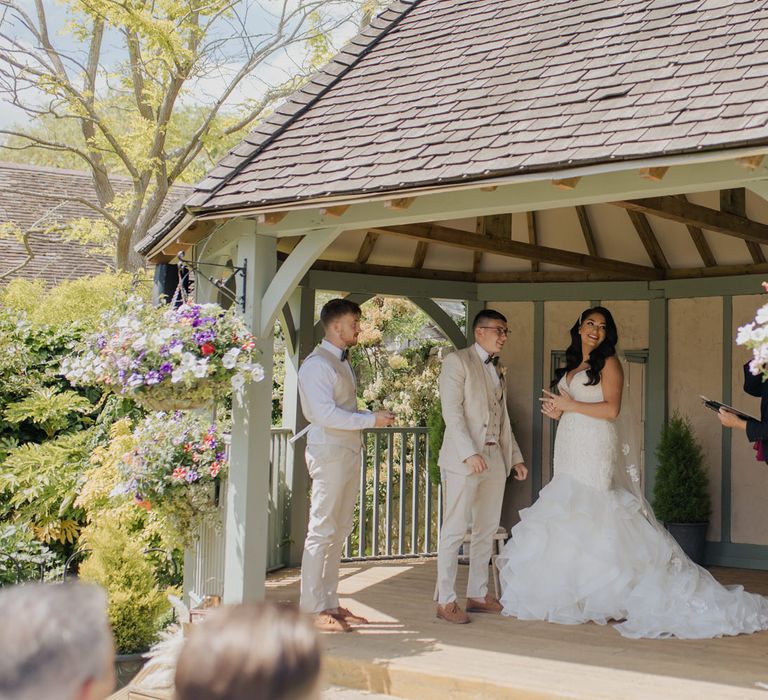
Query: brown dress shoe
[[349, 617], [451, 612], [488, 605], [325, 622]]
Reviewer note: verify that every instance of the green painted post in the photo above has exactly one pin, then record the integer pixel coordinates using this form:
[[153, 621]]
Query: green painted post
[[725, 474], [472, 308], [302, 303], [246, 528], [536, 466], [656, 382]]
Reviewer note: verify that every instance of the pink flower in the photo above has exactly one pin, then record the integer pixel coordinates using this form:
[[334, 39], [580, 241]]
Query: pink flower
[[179, 473], [214, 469]]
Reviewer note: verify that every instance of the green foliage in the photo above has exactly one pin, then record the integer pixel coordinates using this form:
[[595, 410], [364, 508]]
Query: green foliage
[[79, 303], [117, 562], [22, 558], [48, 408], [39, 483], [680, 492], [436, 426]]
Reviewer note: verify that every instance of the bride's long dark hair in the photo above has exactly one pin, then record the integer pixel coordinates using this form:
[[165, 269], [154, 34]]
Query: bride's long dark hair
[[598, 356]]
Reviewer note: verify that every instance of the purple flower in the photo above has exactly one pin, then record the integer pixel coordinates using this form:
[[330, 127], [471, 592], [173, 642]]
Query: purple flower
[[165, 351], [220, 456], [165, 368], [136, 379], [154, 377], [101, 342], [206, 336], [192, 475]]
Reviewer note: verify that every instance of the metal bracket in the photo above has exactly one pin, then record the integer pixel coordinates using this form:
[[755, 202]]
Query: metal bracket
[[221, 285]]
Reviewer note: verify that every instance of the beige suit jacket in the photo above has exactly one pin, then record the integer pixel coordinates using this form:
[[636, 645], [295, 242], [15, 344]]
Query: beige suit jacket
[[464, 395]]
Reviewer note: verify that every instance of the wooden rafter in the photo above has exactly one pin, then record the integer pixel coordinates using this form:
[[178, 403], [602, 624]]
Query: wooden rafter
[[675, 209], [735, 202], [366, 248], [533, 235], [393, 271], [697, 236], [419, 255], [477, 257], [517, 249], [648, 239], [586, 230]]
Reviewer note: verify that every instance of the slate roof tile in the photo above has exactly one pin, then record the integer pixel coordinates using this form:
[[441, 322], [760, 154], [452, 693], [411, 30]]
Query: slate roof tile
[[441, 90]]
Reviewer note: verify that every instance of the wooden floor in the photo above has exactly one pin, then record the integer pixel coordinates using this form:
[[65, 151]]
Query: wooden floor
[[407, 652]]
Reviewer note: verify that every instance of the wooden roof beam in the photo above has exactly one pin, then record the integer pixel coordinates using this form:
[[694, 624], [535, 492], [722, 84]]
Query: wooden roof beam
[[697, 236], [533, 235], [586, 230], [648, 239], [734, 201], [515, 249], [684, 212], [366, 248], [419, 255]]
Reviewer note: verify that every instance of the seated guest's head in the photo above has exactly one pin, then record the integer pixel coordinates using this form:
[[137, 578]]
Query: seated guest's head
[[55, 642], [253, 651]]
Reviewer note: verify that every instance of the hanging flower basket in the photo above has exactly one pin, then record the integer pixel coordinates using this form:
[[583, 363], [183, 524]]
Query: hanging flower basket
[[168, 359], [174, 470]]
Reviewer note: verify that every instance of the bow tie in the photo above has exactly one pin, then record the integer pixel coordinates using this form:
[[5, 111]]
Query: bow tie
[[344, 354], [494, 359]]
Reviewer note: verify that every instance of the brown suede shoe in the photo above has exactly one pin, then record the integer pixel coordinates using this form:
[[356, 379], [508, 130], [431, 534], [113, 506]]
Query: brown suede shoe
[[325, 622], [488, 605], [451, 612], [349, 617]]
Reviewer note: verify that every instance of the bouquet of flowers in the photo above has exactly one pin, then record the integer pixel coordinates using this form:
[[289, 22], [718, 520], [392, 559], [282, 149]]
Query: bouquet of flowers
[[175, 468], [754, 335], [168, 358]]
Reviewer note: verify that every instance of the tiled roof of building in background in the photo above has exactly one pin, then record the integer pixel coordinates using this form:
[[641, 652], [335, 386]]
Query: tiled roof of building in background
[[438, 91], [27, 194]]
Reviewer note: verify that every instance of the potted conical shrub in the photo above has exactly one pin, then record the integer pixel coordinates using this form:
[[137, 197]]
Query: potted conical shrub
[[680, 496]]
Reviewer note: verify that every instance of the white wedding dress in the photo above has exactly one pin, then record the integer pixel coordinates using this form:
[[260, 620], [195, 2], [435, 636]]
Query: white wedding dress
[[585, 551]]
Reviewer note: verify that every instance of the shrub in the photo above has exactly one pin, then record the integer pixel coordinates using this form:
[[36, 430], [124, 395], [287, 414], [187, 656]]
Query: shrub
[[436, 426], [680, 493], [117, 562]]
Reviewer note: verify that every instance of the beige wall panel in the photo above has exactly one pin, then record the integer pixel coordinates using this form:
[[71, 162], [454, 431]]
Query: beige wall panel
[[695, 367], [518, 357], [749, 478], [443, 257], [631, 321], [559, 316]]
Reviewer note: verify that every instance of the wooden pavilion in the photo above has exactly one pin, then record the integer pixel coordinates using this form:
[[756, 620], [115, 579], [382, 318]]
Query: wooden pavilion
[[533, 156]]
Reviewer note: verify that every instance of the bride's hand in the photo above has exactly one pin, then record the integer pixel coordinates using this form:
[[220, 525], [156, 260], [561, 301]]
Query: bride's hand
[[556, 403], [550, 412]]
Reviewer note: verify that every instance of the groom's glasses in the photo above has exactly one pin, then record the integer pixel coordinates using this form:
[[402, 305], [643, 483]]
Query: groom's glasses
[[498, 329]]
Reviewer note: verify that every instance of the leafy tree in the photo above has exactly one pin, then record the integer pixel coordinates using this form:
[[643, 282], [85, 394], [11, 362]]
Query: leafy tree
[[117, 79]]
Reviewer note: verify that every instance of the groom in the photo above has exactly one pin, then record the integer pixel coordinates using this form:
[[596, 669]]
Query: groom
[[477, 455]]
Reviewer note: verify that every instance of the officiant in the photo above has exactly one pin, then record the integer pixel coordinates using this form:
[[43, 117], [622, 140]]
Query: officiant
[[757, 431]]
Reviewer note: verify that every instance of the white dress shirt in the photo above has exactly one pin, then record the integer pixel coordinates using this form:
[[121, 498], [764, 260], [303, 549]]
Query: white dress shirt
[[490, 367], [317, 378]]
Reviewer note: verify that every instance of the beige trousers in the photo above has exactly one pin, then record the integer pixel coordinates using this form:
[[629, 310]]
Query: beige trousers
[[335, 474], [475, 499]]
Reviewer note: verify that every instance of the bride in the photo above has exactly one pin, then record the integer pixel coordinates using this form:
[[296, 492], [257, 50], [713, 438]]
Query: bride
[[590, 549]]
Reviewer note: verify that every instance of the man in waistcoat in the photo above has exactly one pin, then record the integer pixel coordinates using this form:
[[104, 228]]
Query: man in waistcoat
[[477, 455], [328, 392]]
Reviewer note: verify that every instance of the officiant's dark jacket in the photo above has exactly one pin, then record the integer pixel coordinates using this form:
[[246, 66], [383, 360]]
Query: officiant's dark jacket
[[755, 386]]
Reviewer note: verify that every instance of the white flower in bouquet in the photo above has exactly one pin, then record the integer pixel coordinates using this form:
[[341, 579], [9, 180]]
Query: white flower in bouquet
[[754, 335]]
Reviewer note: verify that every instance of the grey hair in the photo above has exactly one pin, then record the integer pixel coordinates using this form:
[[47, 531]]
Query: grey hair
[[54, 638]]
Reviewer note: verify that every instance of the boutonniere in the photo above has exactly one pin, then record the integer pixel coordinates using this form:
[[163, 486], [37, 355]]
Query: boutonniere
[[503, 372]]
